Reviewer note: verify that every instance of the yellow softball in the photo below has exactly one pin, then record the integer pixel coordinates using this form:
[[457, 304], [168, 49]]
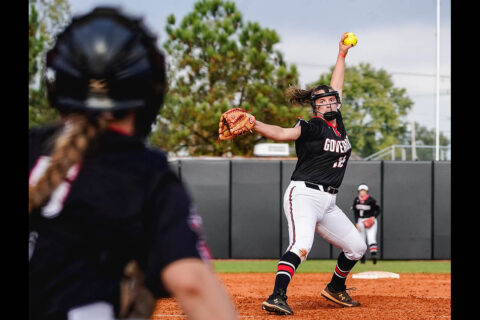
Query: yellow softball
[[350, 39]]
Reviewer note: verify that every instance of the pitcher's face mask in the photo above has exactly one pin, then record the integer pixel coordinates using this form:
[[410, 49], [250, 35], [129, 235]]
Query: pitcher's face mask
[[331, 98]]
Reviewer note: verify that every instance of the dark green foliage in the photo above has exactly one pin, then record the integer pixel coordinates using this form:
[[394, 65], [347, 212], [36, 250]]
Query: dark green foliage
[[218, 62]]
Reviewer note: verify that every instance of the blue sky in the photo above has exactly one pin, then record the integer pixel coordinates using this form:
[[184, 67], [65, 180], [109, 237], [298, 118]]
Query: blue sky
[[398, 36]]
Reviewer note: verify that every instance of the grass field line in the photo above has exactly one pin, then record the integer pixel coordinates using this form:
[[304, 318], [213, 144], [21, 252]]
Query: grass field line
[[327, 266]]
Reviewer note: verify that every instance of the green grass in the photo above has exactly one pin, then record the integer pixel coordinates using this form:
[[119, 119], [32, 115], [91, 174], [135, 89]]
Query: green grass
[[321, 266]]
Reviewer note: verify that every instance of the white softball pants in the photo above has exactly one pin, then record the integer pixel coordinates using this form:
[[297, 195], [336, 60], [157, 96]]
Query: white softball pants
[[369, 234], [308, 211]]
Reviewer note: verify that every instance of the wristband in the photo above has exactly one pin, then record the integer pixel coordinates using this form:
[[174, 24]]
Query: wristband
[[342, 55]]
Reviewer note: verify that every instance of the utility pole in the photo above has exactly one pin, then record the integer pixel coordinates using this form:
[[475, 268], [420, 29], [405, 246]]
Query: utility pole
[[437, 105], [414, 150]]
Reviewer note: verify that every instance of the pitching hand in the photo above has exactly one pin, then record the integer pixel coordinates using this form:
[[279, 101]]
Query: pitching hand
[[342, 47]]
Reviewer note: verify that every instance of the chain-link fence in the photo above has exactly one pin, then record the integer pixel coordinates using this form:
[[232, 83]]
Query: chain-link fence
[[408, 152]]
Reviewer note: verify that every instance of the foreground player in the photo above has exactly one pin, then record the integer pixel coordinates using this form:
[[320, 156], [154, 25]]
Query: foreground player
[[108, 218], [366, 210], [323, 151]]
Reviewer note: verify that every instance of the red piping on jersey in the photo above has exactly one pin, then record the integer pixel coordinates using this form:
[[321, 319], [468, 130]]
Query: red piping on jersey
[[330, 125], [118, 130], [291, 218]]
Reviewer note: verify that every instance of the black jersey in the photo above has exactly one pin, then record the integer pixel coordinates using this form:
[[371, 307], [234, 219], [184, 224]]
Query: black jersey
[[322, 151], [122, 202], [366, 208]]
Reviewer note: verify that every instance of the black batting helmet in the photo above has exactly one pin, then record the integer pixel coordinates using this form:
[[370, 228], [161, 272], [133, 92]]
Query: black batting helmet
[[107, 61]]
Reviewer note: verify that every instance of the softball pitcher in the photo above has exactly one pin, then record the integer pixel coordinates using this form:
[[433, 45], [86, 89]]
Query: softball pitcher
[[323, 150], [366, 210]]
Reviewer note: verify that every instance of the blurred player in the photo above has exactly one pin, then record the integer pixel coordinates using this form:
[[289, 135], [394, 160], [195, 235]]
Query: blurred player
[[366, 210], [111, 226], [323, 150]]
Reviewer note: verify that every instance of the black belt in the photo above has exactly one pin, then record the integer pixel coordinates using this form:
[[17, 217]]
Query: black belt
[[320, 187]]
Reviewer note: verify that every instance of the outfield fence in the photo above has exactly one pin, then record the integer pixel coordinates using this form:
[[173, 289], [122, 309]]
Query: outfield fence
[[240, 201]]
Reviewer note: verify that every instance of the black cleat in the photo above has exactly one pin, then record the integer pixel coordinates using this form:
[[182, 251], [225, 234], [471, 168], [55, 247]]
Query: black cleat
[[339, 297], [374, 258], [362, 261], [277, 303]]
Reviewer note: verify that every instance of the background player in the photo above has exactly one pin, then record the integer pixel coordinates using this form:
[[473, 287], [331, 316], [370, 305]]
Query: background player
[[323, 151], [106, 212], [366, 209]]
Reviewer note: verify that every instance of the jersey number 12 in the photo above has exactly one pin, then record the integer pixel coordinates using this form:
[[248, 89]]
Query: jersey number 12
[[339, 163]]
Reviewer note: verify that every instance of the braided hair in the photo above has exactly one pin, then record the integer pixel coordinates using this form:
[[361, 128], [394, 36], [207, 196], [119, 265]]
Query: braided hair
[[70, 146], [90, 87]]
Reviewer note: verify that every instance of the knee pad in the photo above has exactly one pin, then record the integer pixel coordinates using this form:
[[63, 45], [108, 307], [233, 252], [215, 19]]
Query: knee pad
[[356, 250]]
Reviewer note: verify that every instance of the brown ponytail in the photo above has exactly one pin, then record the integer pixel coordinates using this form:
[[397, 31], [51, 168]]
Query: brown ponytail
[[297, 96], [70, 147]]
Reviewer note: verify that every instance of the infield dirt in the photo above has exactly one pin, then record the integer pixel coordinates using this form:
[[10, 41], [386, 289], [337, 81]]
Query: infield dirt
[[412, 296]]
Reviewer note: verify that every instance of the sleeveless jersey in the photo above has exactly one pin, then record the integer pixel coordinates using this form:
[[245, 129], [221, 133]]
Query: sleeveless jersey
[[122, 202], [322, 151]]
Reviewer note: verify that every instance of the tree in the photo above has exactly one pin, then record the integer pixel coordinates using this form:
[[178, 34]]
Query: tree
[[45, 18], [425, 137], [217, 62], [372, 108]]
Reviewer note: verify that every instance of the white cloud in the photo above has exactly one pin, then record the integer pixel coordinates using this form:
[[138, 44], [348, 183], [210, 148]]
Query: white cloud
[[405, 49], [400, 50]]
